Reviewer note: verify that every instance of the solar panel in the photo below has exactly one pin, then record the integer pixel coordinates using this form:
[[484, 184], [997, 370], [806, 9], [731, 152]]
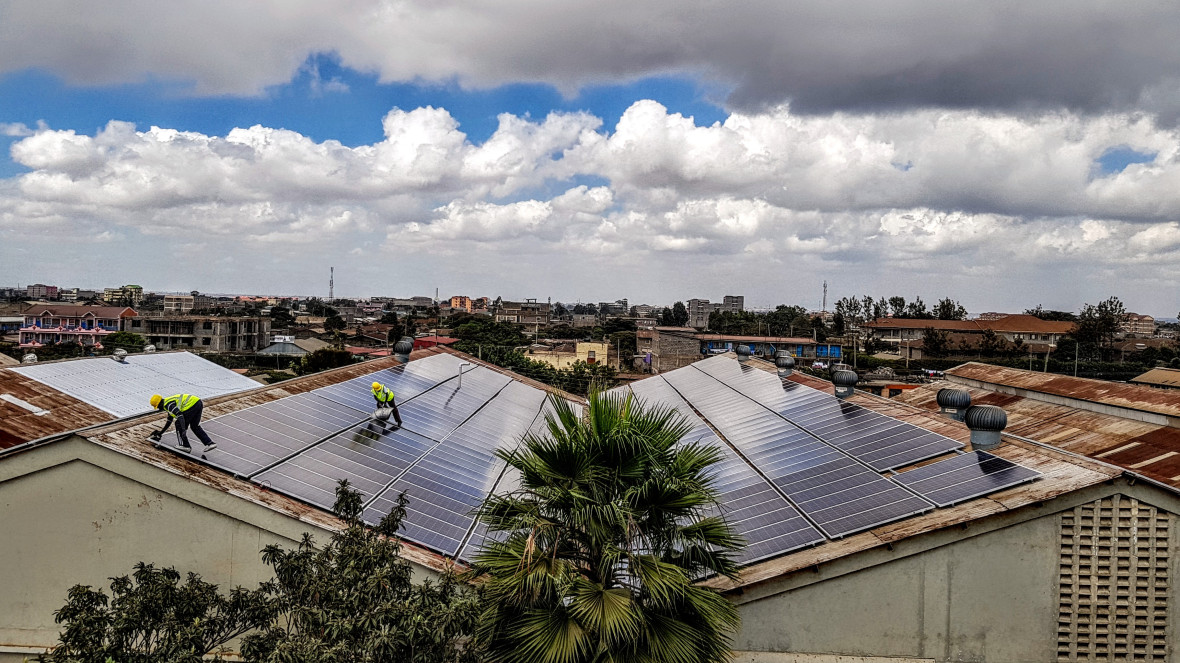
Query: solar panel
[[508, 480], [372, 454], [406, 381], [755, 510], [882, 442], [124, 389], [447, 485], [965, 476], [840, 495]]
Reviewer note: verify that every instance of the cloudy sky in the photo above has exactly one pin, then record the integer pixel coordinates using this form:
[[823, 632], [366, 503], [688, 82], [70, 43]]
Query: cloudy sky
[[1002, 153]]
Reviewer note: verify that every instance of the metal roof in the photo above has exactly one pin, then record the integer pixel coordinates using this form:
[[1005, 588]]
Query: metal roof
[[30, 410], [1164, 377], [124, 388], [1149, 448], [1115, 394]]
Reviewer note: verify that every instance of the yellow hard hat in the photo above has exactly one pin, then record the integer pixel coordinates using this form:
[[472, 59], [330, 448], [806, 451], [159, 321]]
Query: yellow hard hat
[[376, 386], [156, 398]]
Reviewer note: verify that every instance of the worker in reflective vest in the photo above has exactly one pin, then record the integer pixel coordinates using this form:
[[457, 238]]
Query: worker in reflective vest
[[384, 397], [186, 410]]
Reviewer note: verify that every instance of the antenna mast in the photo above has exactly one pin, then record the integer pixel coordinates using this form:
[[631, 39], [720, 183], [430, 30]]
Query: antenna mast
[[331, 284], [825, 309]]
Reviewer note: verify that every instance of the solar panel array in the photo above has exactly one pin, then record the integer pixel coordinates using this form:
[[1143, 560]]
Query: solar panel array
[[125, 388], [965, 477], [756, 511], [797, 466]]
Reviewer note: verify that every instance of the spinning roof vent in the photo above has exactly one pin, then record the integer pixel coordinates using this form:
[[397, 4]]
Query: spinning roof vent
[[743, 352], [845, 382], [120, 356], [403, 348], [785, 363], [985, 422], [29, 359], [953, 403]]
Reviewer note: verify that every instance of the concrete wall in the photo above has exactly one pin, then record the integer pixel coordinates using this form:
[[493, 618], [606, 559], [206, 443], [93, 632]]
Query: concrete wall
[[76, 513], [991, 597]]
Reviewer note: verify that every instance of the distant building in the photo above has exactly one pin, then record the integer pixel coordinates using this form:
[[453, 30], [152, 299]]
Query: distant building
[[86, 325], [644, 310], [129, 295], [1160, 378], [194, 301], [566, 355], [1134, 324], [668, 348], [906, 334], [698, 312], [733, 303], [41, 291], [76, 295], [204, 333], [462, 303], [528, 312]]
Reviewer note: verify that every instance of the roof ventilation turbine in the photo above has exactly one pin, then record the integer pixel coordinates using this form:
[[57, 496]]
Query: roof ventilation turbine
[[29, 359], [743, 353], [953, 403], [985, 422], [120, 355], [403, 348], [784, 362], [845, 382]]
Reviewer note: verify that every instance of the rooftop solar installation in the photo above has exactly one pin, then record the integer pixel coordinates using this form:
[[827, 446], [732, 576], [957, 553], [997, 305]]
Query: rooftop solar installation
[[965, 477], [756, 511], [836, 492], [124, 388], [797, 465], [881, 442]]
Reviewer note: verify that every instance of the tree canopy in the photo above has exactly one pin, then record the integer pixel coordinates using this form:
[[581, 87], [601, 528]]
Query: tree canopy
[[614, 520]]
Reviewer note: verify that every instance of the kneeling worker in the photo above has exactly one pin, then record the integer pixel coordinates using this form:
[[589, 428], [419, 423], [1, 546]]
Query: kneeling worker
[[186, 410], [384, 398]]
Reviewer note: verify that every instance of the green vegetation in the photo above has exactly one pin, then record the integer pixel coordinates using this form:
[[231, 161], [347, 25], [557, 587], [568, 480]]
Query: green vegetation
[[603, 540], [123, 340], [322, 360]]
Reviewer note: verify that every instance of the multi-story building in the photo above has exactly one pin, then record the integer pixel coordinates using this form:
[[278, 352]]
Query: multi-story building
[[462, 303], [733, 303], [528, 312], [194, 301], [568, 354], [204, 333], [41, 291], [128, 295], [86, 325], [643, 310], [906, 334], [1134, 324], [76, 295], [698, 312]]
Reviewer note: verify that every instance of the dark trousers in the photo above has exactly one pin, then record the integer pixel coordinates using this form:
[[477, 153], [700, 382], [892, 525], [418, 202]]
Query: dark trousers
[[397, 416], [191, 418]]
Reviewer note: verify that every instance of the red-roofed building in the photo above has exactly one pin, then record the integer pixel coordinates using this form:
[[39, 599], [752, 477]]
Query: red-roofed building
[[86, 325], [1036, 334], [431, 341]]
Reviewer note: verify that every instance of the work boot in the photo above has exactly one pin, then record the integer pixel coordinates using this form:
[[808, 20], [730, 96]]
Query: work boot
[[209, 447]]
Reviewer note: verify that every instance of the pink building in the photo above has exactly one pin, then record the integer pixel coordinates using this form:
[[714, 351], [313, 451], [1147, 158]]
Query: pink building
[[71, 324]]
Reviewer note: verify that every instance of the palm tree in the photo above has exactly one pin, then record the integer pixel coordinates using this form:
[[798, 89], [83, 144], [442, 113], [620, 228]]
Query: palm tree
[[593, 559]]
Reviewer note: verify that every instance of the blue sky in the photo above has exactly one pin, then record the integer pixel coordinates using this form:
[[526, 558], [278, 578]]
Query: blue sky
[[655, 151]]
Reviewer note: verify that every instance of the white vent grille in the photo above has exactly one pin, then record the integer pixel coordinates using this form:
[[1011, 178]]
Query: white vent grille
[[1114, 582]]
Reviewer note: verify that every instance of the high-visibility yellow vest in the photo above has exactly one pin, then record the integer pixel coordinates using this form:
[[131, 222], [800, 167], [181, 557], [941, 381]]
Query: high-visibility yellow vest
[[181, 401], [385, 395]]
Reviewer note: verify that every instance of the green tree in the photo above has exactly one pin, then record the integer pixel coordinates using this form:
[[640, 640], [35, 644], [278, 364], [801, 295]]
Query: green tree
[[128, 341], [1098, 325], [353, 600], [152, 616], [333, 323], [1046, 314], [322, 360], [936, 342], [679, 314], [614, 520], [949, 309], [281, 318]]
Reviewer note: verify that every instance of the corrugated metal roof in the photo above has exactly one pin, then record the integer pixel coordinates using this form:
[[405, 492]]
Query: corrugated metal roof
[[1151, 449], [1116, 394], [1165, 377], [1017, 323], [124, 388], [32, 410]]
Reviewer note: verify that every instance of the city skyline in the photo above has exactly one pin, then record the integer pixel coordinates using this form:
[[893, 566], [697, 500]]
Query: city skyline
[[1004, 157]]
